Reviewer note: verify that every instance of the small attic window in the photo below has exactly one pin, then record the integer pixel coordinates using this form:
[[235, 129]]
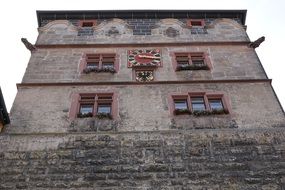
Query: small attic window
[[87, 23], [196, 23]]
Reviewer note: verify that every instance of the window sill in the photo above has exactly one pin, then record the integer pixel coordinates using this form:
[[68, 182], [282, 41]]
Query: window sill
[[207, 112], [104, 116], [98, 115], [84, 115], [199, 113], [181, 111], [192, 67], [96, 70]]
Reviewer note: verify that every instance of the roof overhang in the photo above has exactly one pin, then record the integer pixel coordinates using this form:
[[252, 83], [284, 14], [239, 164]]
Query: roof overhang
[[139, 14]]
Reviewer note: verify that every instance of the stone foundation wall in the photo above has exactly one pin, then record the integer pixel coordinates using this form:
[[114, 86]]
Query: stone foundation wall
[[195, 159]]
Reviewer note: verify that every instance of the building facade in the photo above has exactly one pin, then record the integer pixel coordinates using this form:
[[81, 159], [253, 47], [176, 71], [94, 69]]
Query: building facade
[[4, 116], [144, 100]]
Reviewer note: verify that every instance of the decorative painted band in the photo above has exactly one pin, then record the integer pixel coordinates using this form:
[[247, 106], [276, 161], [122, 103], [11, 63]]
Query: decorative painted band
[[19, 85]]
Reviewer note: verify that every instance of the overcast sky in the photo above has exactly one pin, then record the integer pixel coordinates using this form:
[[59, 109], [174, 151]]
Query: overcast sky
[[18, 19]]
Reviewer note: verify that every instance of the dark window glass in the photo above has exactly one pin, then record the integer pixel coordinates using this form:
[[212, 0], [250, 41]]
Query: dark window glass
[[86, 108], [92, 61], [198, 104], [108, 61], [180, 104], [87, 24], [104, 108], [108, 65], [196, 23], [88, 98], [104, 97], [92, 65], [216, 104], [198, 62], [182, 60]]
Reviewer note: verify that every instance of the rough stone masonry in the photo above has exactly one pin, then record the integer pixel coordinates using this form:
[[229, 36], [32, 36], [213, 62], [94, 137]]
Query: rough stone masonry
[[144, 145], [193, 159]]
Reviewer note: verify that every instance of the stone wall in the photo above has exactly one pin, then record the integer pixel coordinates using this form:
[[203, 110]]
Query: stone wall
[[145, 146], [127, 31], [142, 108], [62, 64], [195, 159]]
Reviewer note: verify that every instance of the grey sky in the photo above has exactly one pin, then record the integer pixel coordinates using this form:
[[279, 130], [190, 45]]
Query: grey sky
[[18, 19]]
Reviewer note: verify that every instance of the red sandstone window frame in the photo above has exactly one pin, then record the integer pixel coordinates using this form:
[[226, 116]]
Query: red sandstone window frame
[[86, 59], [206, 97], [192, 56], [176, 111], [202, 95], [95, 99], [196, 23], [87, 23]]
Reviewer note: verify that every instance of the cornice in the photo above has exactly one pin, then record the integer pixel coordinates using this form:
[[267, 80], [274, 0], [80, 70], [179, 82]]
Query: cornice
[[19, 85], [217, 43], [138, 14]]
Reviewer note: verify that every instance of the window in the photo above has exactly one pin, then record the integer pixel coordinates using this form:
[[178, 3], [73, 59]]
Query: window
[[216, 104], [104, 104], [191, 61], [197, 26], [108, 61], [100, 63], [193, 23], [86, 108], [201, 103], [108, 65], [99, 105], [86, 27], [198, 60], [104, 108], [181, 106], [198, 104], [92, 61], [87, 23], [182, 60]]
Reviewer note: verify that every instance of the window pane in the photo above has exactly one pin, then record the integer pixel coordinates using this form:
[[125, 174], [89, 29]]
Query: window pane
[[182, 60], [87, 24], [181, 63], [198, 62], [104, 108], [198, 104], [87, 97], [197, 100], [108, 65], [100, 97], [216, 104], [108, 58], [86, 109], [92, 65], [94, 57], [180, 104], [196, 23]]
